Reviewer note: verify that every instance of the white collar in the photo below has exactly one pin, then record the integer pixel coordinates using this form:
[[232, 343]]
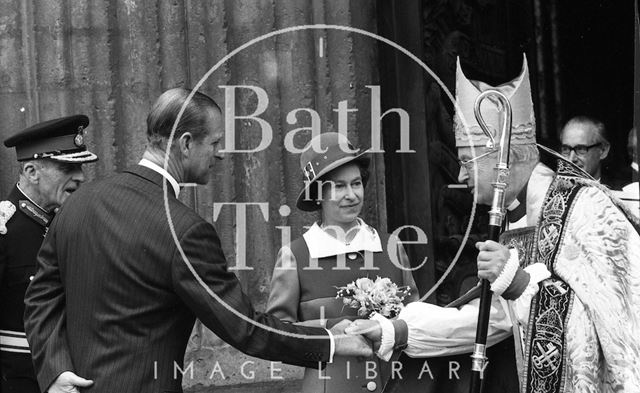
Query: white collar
[[29, 198], [321, 244], [522, 222], [539, 182], [157, 168], [513, 205]]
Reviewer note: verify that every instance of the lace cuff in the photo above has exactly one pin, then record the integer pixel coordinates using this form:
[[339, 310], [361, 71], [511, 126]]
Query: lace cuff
[[508, 273]]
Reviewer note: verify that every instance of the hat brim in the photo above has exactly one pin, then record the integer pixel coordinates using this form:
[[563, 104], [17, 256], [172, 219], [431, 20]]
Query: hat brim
[[309, 204], [81, 157]]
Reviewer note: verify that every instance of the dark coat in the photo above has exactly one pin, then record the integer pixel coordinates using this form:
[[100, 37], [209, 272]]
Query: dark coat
[[19, 245], [115, 302]]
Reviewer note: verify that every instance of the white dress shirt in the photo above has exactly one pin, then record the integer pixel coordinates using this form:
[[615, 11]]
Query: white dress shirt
[[157, 168]]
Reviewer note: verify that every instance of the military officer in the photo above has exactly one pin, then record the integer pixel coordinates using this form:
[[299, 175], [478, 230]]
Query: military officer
[[51, 155]]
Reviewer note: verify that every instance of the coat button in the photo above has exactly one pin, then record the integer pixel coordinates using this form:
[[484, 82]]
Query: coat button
[[30, 278], [371, 386]]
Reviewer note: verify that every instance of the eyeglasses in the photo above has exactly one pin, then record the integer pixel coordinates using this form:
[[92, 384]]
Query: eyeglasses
[[470, 160], [580, 150]]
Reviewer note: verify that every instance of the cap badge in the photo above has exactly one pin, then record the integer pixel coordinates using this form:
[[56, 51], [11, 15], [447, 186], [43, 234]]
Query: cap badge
[[79, 139]]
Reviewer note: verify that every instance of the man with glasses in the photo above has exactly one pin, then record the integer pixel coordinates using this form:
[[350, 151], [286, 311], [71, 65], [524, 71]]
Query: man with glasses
[[51, 155], [584, 142]]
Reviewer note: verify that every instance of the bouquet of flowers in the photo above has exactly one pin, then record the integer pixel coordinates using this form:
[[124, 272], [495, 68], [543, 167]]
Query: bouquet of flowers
[[368, 296]]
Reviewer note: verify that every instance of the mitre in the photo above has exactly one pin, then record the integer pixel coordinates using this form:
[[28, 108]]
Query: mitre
[[518, 91]]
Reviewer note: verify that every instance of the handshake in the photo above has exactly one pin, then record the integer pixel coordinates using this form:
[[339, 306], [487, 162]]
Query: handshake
[[361, 337]]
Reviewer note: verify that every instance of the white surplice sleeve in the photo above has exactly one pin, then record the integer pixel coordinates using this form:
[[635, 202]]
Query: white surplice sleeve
[[438, 331]]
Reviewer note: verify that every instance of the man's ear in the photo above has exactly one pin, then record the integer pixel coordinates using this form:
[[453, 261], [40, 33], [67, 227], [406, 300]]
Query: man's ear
[[31, 172], [185, 143], [604, 152]]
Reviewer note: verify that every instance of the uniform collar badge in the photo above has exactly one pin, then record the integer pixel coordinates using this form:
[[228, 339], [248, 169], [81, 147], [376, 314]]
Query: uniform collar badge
[[35, 213]]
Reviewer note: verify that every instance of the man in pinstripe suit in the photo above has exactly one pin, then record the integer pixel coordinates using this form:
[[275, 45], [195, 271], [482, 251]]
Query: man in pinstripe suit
[[115, 297]]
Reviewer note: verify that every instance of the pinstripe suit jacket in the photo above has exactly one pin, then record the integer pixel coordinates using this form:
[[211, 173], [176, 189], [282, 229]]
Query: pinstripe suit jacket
[[114, 301]]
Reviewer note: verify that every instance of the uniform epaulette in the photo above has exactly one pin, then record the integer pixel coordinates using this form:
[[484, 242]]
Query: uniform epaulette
[[7, 209]]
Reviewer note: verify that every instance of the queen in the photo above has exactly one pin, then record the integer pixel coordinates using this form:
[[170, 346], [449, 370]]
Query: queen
[[333, 253]]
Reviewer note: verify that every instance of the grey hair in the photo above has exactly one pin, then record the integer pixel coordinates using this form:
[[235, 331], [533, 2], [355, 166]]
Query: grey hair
[[596, 125], [165, 111], [39, 163]]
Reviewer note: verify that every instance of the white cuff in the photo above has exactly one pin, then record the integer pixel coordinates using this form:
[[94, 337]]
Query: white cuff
[[332, 347], [521, 306], [388, 337], [538, 272], [507, 274]]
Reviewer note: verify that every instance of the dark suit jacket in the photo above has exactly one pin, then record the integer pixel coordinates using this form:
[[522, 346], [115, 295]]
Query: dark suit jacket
[[114, 300], [18, 250]]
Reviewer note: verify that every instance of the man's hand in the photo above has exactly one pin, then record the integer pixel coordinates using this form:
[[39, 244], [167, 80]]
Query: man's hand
[[491, 259], [349, 345], [67, 383], [370, 329]]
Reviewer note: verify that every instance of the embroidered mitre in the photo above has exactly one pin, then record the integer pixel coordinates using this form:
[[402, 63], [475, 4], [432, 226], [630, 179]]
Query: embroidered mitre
[[518, 91]]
